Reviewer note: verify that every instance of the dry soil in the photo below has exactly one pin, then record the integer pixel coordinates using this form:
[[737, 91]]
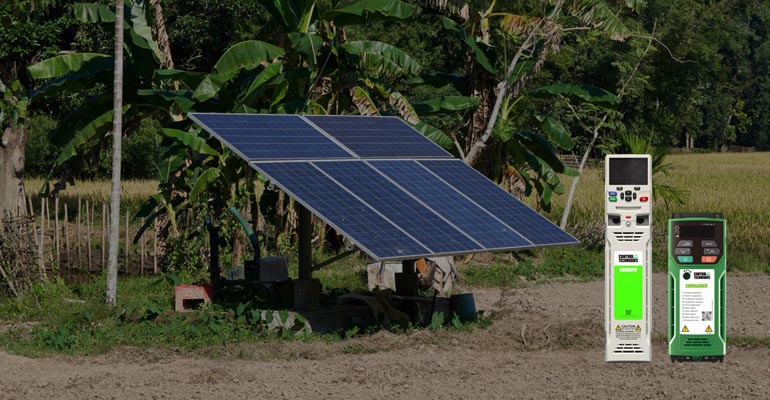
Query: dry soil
[[546, 342]]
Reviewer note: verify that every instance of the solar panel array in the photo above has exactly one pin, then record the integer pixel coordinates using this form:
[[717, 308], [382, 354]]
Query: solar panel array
[[392, 191]]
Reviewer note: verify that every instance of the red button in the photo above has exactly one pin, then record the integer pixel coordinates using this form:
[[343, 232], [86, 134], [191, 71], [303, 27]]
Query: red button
[[708, 259], [644, 199]]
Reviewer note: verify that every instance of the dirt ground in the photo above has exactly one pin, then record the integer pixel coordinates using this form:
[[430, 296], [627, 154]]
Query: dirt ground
[[546, 342]]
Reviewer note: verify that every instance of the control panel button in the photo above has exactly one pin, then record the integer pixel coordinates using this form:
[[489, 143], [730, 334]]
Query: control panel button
[[613, 199], [634, 196], [644, 199], [637, 188], [683, 251], [708, 243], [710, 251], [628, 198], [684, 243], [619, 188], [684, 259], [622, 196], [613, 193], [708, 259], [628, 193]]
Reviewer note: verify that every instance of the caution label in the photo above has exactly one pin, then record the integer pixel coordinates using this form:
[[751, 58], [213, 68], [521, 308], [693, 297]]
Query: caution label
[[696, 301], [628, 332]]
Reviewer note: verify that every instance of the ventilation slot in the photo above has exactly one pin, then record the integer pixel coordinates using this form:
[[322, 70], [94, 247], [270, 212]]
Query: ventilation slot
[[628, 236], [625, 348], [697, 342]]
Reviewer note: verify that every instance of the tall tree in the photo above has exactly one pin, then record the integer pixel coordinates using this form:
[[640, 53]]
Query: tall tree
[[29, 30], [117, 136]]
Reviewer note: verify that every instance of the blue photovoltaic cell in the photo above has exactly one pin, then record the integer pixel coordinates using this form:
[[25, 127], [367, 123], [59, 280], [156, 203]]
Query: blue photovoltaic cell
[[452, 205], [270, 137], [397, 206], [378, 137], [533, 226], [338, 207]]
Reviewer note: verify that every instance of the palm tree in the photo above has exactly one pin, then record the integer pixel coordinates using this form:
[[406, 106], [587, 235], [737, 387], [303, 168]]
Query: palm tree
[[117, 133]]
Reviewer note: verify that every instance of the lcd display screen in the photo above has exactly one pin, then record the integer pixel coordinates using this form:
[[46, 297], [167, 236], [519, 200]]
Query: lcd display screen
[[697, 231], [628, 171]]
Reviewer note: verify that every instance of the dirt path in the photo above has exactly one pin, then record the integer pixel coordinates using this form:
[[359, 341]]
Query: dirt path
[[547, 342]]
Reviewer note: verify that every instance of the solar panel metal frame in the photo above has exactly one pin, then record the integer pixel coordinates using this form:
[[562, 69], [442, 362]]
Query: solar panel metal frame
[[355, 157]]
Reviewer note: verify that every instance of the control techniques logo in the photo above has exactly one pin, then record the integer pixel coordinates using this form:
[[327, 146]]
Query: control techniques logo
[[628, 258]]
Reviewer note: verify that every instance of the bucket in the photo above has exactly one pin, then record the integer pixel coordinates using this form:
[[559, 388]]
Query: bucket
[[463, 305]]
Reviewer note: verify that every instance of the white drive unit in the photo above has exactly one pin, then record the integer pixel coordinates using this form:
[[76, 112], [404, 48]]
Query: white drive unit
[[628, 257]]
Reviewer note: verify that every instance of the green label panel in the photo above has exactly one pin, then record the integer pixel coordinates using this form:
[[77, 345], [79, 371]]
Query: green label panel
[[628, 290]]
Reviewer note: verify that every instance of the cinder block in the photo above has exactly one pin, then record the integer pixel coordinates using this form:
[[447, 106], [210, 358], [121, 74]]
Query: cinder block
[[190, 297]]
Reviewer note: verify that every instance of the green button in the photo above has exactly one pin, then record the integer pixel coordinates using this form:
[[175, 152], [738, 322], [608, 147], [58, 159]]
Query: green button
[[685, 259], [613, 199]]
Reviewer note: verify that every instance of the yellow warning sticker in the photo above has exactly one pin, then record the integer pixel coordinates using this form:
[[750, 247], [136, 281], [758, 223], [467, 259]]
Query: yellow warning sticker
[[708, 329], [685, 330], [638, 328], [617, 328]]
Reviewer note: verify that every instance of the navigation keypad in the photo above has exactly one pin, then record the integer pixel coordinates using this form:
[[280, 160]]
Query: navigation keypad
[[695, 242]]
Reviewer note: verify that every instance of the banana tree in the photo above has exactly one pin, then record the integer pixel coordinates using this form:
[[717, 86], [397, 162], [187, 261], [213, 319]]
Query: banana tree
[[529, 156], [535, 37], [89, 75], [310, 67]]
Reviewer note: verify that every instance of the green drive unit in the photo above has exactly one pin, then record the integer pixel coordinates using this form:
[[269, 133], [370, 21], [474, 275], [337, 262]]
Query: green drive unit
[[697, 265]]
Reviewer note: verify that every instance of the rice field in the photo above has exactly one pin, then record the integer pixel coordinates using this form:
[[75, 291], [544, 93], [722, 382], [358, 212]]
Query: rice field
[[134, 192], [736, 184]]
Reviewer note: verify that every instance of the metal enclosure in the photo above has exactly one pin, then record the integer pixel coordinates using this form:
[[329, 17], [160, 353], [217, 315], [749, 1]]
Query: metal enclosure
[[628, 257], [697, 265]]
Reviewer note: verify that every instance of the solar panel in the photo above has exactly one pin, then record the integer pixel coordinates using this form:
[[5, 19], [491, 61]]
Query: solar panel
[[399, 207], [452, 205], [331, 202], [270, 137], [378, 137], [390, 190], [533, 226]]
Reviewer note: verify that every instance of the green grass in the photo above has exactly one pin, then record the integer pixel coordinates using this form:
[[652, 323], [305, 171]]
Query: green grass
[[62, 319], [535, 265]]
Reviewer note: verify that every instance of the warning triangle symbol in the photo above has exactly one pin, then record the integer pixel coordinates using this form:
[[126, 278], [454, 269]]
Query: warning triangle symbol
[[685, 330], [708, 329], [617, 328], [638, 328]]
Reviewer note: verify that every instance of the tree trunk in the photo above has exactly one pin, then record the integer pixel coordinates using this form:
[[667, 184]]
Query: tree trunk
[[117, 136], [12, 144], [160, 32]]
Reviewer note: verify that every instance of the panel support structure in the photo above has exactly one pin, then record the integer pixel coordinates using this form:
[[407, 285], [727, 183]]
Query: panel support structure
[[307, 291]]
